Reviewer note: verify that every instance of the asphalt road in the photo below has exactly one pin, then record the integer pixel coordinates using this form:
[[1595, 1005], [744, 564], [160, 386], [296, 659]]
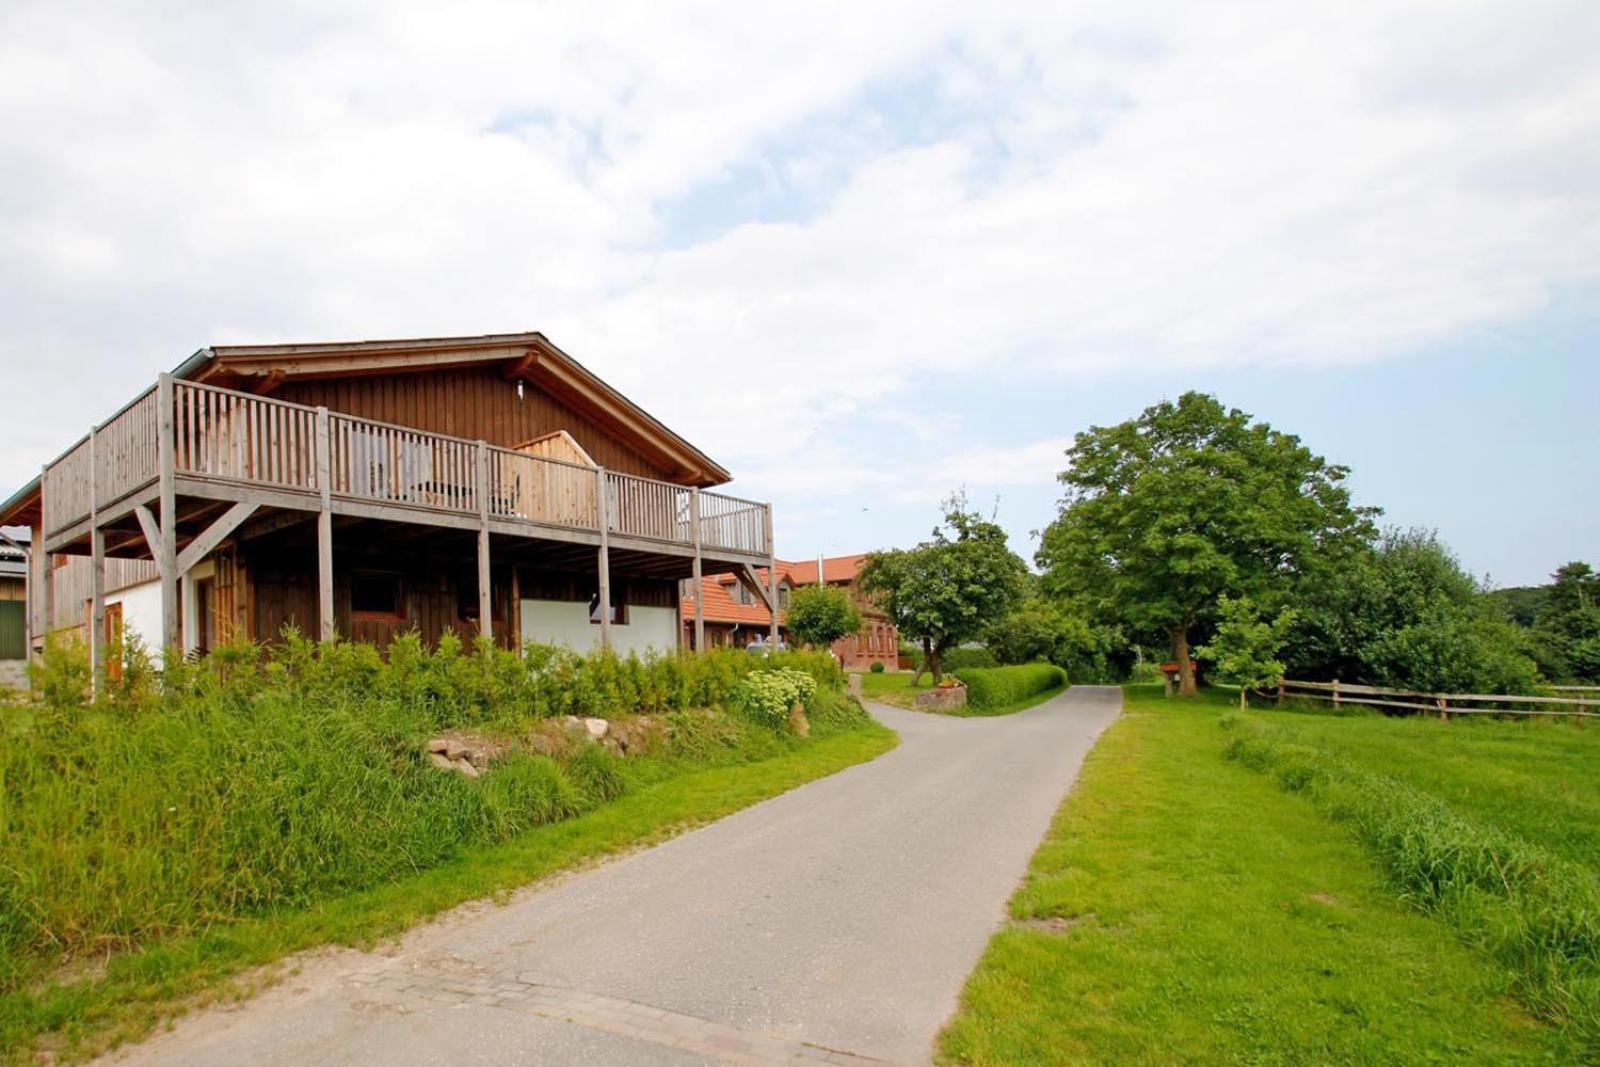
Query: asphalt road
[[835, 924]]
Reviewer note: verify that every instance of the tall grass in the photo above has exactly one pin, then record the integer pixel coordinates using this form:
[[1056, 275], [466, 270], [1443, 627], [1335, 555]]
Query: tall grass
[[1532, 910], [255, 780]]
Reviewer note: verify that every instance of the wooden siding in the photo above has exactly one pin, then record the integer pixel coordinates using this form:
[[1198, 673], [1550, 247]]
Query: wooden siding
[[433, 594], [472, 402], [13, 588], [71, 581]]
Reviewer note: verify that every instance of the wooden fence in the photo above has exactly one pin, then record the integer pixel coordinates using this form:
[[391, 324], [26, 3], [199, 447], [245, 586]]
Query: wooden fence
[[1442, 704]]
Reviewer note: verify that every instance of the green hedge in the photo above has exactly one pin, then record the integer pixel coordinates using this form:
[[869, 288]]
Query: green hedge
[[989, 688]]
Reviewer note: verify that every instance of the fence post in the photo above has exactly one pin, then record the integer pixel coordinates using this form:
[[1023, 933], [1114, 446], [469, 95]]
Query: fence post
[[1336, 692], [1444, 709], [1279, 702]]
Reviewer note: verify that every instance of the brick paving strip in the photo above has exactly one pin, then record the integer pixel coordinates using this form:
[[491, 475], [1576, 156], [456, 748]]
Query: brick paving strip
[[441, 982]]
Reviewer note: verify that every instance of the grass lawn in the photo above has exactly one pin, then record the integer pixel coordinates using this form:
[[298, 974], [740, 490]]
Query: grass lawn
[[1185, 909], [894, 687], [76, 1019], [1538, 778]]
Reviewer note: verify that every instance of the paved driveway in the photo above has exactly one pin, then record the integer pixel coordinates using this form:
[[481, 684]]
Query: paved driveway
[[834, 924]]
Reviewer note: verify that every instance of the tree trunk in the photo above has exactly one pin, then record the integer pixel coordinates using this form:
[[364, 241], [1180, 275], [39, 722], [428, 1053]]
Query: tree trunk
[[1242, 703], [936, 662], [926, 664], [1180, 652]]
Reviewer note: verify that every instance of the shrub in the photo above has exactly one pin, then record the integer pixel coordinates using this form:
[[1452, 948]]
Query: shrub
[[989, 688], [768, 695], [963, 658], [877, 666]]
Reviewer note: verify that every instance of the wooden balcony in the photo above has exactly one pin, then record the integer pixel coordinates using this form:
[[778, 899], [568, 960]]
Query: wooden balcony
[[227, 445]]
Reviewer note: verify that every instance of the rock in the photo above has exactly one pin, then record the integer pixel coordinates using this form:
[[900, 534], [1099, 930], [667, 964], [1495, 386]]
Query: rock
[[438, 744], [542, 744], [466, 768], [441, 761], [597, 727], [454, 749]]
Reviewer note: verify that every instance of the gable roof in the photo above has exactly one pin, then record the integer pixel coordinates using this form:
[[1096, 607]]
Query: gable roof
[[834, 569], [526, 356], [720, 606]]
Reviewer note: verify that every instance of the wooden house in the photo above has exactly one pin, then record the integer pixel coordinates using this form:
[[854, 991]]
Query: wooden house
[[476, 485]]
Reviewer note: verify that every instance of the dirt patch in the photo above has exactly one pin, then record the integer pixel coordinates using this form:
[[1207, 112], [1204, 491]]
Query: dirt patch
[[1056, 924]]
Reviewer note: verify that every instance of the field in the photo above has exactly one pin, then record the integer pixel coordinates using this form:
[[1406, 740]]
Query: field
[[1534, 777], [1186, 908]]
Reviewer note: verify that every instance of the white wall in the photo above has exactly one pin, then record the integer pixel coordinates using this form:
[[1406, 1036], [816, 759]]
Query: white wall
[[141, 613], [558, 622]]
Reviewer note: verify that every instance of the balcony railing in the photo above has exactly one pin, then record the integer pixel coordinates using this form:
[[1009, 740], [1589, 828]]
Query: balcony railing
[[220, 435]]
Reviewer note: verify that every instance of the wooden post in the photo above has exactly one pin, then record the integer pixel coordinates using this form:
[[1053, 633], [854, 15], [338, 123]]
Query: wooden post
[[485, 599], [699, 589], [772, 574], [325, 623], [97, 581], [167, 555], [47, 581], [1444, 709], [515, 621], [1279, 702], [603, 563], [1336, 692]]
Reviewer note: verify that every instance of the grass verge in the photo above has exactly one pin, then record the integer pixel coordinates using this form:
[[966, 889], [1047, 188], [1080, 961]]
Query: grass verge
[[895, 688], [139, 989], [1533, 910], [1183, 909]]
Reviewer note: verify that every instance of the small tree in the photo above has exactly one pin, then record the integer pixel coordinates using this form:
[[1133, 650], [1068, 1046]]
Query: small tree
[[821, 614], [949, 589], [1245, 648]]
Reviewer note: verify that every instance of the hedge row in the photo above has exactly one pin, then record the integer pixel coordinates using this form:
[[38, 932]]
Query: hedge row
[[989, 688]]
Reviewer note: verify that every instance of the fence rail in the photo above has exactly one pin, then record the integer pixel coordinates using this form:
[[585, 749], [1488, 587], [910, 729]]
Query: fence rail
[[1443, 704], [224, 435]]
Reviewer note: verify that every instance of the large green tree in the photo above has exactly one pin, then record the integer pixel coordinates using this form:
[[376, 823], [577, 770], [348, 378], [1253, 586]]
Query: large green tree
[[1405, 613], [950, 588], [1190, 501]]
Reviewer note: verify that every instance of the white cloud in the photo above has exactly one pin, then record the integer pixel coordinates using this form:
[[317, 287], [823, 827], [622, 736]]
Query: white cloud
[[1046, 190]]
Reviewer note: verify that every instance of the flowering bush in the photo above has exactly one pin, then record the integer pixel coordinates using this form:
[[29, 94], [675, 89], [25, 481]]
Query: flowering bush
[[768, 695]]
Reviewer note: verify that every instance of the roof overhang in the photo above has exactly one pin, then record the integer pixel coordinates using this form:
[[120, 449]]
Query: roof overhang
[[526, 356], [23, 508]]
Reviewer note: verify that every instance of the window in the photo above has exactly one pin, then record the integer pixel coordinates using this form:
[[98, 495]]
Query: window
[[376, 594], [742, 595], [783, 595], [619, 609]]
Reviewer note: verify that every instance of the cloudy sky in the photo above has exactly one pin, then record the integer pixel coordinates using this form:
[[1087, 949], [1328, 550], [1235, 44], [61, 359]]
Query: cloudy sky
[[862, 254]]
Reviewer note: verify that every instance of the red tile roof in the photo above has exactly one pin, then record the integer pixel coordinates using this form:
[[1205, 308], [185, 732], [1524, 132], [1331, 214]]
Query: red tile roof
[[720, 606], [834, 569]]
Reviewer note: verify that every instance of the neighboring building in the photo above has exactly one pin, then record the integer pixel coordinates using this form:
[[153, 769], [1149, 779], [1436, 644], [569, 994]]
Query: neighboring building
[[734, 615], [479, 485], [13, 605]]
